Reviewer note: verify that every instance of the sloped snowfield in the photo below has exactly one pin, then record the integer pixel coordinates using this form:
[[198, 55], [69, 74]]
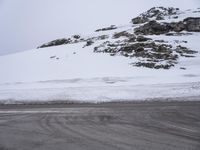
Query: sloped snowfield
[[73, 73]]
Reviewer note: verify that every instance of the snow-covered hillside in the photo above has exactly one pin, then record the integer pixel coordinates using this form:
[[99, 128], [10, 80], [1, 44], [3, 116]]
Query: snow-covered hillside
[[141, 60]]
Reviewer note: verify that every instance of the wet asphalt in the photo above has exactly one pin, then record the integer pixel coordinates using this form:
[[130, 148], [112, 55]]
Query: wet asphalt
[[106, 126]]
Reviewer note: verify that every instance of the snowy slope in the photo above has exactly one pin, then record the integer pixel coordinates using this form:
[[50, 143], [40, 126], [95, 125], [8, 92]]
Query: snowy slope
[[73, 72]]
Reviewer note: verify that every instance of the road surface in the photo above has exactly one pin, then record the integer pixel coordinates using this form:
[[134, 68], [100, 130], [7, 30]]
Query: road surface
[[109, 126]]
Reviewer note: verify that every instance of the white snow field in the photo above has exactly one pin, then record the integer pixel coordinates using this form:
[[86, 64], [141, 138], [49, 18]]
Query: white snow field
[[73, 73]]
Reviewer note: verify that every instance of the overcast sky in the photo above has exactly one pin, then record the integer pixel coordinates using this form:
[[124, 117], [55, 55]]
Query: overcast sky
[[26, 24]]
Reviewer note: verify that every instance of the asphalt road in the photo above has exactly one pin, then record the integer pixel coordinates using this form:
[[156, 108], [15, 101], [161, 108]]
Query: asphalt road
[[109, 126]]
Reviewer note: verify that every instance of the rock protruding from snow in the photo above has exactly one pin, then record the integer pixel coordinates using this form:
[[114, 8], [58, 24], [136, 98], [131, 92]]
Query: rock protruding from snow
[[153, 27], [73, 39], [149, 54], [123, 34], [134, 41], [56, 43], [143, 39], [112, 27], [193, 24], [155, 13]]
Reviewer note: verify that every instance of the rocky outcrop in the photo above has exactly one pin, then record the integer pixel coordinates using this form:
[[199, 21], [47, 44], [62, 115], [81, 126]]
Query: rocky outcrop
[[143, 39], [123, 34], [74, 39], [140, 20], [184, 51], [153, 65], [56, 43], [192, 24], [152, 27], [155, 13], [112, 27], [178, 34], [88, 43], [133, 41], [176, 26], [150, 54], [149, 51]]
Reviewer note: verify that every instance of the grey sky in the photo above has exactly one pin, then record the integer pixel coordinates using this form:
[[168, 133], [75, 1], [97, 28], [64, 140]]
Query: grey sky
[[25, 24]]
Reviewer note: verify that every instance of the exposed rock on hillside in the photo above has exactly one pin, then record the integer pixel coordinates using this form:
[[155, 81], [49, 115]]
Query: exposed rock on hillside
[[184, 51], [123, 34], [149, 54], [192, 24], [112, 27], [56, 43], [154, 27], [134, 42], [155, 13], [74, 39], [143, 39]]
